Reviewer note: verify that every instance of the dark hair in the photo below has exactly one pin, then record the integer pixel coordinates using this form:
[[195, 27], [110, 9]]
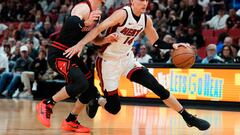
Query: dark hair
[[231, 53], [6, 45]]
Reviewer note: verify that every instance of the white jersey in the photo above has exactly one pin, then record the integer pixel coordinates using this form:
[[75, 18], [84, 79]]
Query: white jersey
[[127, 34]]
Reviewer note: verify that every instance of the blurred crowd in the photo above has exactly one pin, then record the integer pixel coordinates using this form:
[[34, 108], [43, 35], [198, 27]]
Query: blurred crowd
[[28, 26]]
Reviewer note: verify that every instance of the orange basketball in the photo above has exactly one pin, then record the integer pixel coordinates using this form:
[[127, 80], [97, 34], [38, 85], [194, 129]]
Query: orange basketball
[[183, 57]]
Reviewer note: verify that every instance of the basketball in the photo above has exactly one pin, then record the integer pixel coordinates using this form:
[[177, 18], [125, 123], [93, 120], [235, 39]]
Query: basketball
[[183, 57]]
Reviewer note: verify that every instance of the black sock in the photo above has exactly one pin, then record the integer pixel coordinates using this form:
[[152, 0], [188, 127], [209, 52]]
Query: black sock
[[185, 114], [50, 101], [71, 117]]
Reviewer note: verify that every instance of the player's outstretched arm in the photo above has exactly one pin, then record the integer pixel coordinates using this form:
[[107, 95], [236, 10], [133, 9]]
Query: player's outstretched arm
[[154, 38], [101, 40], [116, 18]]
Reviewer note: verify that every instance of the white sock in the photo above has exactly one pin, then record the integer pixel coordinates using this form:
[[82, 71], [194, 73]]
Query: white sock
[[102, 101]]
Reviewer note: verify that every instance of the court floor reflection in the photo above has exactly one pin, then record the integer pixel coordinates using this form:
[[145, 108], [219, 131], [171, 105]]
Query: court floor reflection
[[18, 117]]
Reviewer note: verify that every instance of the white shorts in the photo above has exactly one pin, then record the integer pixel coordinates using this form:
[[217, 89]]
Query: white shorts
[[110, 71]]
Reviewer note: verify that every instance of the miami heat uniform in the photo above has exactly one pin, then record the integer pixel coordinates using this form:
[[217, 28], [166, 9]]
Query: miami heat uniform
[[117, 58]]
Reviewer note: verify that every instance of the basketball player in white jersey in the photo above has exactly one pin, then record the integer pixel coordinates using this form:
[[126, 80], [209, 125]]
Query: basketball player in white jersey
[[117, 59]]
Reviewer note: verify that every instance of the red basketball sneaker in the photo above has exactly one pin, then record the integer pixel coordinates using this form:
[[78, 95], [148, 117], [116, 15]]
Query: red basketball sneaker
[[44, 112], [74, 126]]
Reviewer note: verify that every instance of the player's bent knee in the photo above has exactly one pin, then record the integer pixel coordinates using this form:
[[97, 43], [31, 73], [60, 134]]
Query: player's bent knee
[[113, 108], [84, 97], [113, 104], [89, 94], [77, 88]]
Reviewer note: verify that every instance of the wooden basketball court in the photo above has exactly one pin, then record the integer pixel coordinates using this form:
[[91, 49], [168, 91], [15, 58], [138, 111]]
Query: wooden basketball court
[[18, 117]]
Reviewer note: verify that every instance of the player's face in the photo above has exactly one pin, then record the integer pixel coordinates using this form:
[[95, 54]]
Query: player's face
[[140, 5]]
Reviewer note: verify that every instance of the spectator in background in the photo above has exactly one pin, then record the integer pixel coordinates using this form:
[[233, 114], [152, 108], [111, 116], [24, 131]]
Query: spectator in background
[[47, 5], [169, 61], [218, 21], [194, 13], [38, 22], [193, 37], [63, 14], [216, 5], [8, 12], [238, 54], [227, 54], [173, 22], [161, 5], [212, 56], [238, 12], [143, 56], [53, 15], [160, 20], [47, 30], [198, 58], [170, 6], [3, 27], [32, 52], [228, 41], [12, 42], [182, 10], [10, 31], [19, 11], [20, 33], [220, 41], [207, 11], [15, 55], [44, 45], [165, 54], [31, 37], [233, 20], [153, 8], [9, 55], [4, 41], [7, 50], [10, 81], [179, 34], [204, 3], [141, 39], [3, 63], [38, 69], [134, 51], [157, 55]]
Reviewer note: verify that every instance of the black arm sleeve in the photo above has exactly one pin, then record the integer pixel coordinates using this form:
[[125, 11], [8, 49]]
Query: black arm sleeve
[[74, 22], [162, 44]]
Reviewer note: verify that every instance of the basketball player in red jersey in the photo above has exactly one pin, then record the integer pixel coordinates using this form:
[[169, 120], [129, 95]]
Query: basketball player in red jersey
[[79, 79], [117, 59]]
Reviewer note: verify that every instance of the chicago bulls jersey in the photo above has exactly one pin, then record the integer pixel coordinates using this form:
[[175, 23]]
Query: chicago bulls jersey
[[127, 34]]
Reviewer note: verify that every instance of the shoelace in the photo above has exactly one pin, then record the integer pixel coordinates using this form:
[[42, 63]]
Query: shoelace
[[48, 112], [190, 119], [77, 123], [194, 116]]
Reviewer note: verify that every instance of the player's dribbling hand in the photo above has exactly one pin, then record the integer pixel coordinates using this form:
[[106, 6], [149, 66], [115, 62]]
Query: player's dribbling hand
[[112, 38], [76, 49], [176, 45], [93, 17]]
